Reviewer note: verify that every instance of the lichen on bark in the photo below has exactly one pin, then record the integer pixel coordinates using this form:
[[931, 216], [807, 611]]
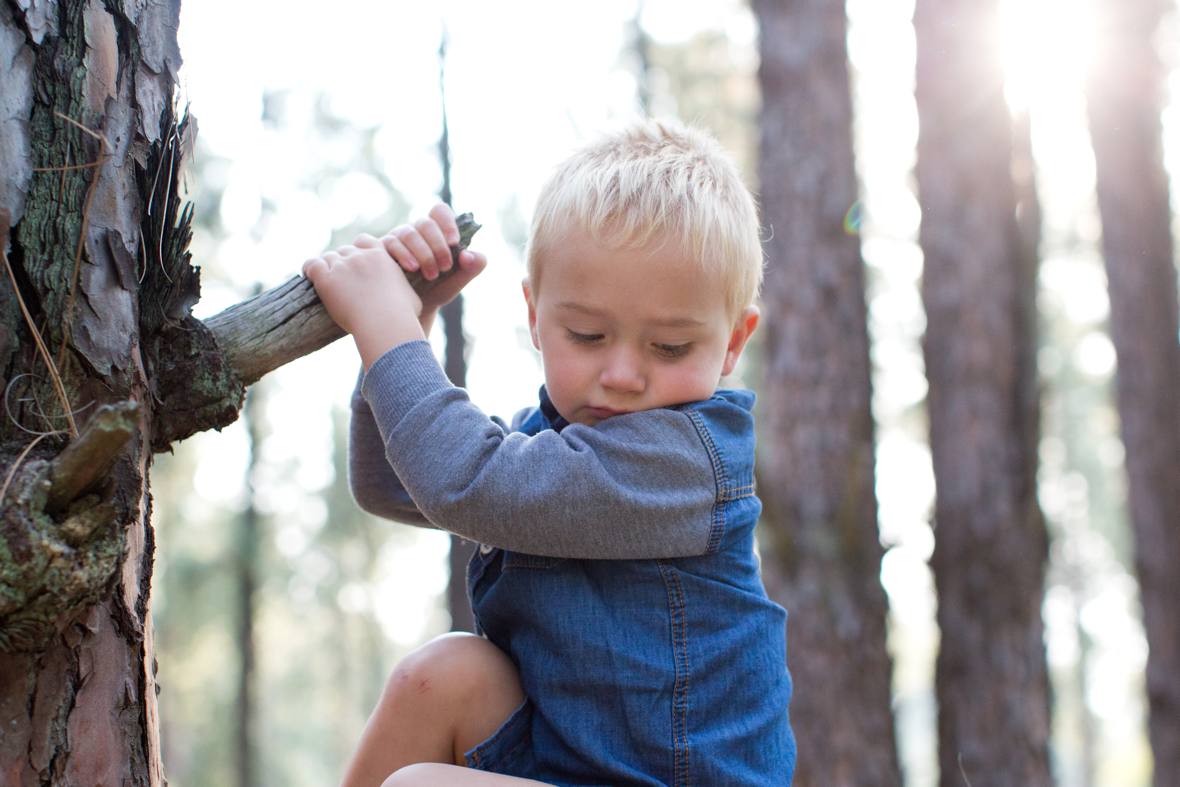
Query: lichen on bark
[[51, 570]]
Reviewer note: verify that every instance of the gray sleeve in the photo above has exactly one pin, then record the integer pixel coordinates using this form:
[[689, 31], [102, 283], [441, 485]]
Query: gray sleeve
[[375, 487], [634, 486]]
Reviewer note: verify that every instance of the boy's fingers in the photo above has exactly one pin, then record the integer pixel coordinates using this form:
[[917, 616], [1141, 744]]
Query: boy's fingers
[[419, 249], [318, 266], [433, 235], [366, 241], [314, 267], [396, 249], [445, 218], [471, 264]]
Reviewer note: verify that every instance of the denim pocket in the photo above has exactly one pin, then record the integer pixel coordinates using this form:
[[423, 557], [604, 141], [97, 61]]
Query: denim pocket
[[521, 560]]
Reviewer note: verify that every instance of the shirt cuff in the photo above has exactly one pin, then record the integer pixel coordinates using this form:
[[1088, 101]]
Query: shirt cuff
[[400, 379]]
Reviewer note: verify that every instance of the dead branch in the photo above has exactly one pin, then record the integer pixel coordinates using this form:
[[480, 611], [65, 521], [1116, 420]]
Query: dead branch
[[89, 457], [288, 322], [202, 376]]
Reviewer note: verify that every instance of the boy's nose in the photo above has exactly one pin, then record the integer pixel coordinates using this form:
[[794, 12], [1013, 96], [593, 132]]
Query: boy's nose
[[623, 372]]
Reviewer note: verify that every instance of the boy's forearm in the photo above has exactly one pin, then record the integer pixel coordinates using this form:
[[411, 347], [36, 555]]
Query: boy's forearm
[[376, 337], [426, 320]]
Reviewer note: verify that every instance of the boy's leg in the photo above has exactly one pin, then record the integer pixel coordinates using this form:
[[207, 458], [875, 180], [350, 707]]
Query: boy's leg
[[441, 700], [431, 774]]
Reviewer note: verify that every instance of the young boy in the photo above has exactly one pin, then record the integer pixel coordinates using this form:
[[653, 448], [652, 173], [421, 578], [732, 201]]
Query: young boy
[[627, 636]]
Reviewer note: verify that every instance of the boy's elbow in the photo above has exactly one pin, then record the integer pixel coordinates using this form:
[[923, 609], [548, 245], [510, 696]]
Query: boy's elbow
[[465, 510], [386, 506]]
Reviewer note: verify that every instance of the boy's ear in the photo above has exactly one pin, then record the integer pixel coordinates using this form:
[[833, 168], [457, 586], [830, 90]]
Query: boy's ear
[[742, 330], [532, 304]]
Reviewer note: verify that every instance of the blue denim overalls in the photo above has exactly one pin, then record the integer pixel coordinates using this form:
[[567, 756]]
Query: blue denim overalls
[[645, 672]]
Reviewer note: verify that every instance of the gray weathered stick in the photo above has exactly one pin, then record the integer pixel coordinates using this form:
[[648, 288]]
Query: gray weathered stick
[[287, 322]]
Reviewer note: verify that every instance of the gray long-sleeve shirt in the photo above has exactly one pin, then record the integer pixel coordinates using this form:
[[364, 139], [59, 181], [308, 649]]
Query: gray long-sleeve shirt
[[641, 485]]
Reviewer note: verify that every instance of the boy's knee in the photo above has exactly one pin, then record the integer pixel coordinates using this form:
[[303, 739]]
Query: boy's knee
[[458, 664], [422, 773]]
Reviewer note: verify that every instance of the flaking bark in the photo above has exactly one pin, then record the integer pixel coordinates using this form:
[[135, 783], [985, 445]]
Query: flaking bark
[[94, 240], [81, 107]]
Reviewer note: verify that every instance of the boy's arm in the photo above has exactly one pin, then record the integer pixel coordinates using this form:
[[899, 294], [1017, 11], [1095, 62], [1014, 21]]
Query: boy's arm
[[364, 289], [374, 485], [635, 486]]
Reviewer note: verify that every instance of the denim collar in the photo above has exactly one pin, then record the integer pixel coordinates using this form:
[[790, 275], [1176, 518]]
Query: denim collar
[[553, 419]]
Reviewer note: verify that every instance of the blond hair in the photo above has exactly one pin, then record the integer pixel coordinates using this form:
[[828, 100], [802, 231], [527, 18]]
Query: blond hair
[[650, 183]]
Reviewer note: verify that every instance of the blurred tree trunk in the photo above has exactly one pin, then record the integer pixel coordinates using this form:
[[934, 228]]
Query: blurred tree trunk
[[455, 365], [85, 112], [979, 291], [1124, 108], [822, 554], [248, 569]]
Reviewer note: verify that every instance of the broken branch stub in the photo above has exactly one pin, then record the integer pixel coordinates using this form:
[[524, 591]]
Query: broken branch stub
[[88, 458]]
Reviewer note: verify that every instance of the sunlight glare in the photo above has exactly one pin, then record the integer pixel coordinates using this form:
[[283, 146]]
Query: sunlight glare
[[1044, 44]]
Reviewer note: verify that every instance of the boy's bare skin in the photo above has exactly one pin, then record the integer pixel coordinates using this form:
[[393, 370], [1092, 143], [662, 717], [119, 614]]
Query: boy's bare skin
[[441, 701], [619, 330]]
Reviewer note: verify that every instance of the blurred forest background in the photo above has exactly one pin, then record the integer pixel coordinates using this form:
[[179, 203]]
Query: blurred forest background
[[280, 607]]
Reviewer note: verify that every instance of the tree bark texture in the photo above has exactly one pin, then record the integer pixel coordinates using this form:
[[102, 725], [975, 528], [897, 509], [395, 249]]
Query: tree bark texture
[[822, 554], [103, 364], [978, 290], [1124, 108], [85, 118]]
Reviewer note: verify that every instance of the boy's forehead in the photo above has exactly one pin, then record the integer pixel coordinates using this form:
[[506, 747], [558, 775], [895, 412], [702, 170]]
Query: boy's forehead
[[661, 277], [670, 320]]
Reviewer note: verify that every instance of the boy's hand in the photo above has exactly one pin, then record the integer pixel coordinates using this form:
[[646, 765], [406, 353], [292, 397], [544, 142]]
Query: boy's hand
[[425, 247], [367, 294]]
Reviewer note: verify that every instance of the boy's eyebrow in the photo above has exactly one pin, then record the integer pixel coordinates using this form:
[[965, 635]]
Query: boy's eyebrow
[[670, 322]]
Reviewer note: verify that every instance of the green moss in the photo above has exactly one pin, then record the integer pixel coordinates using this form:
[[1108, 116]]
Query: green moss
[[46, 580]]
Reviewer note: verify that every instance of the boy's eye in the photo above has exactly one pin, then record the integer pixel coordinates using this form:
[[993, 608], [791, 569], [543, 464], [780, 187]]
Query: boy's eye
[[672, 350], [583, 338]]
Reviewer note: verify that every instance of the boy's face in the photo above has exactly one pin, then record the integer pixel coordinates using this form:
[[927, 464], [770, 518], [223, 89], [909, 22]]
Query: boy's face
[[621, 331]]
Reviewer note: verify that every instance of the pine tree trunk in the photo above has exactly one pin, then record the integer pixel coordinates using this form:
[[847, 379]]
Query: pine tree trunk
[[103, 365], [978, 290], [822, 555], [85, 99], [248, 570], [1125, 93]]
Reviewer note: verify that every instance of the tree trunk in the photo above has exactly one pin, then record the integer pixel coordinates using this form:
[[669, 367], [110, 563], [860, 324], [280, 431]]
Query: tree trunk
[[1125, 88], [86, 111], [102, 365], [248, 569], [821, 546], [455, 366], [978, 289]]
